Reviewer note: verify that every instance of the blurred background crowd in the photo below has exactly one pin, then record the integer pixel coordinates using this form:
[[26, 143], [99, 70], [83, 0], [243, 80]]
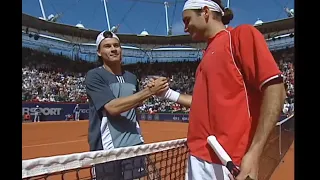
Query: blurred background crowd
[[55, 78]]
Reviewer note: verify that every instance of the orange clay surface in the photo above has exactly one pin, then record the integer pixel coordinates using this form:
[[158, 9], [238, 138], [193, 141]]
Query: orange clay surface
[[286, 167], [66, 137], [63, 137]]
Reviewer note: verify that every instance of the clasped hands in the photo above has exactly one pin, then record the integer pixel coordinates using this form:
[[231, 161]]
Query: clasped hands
[[158, 85]]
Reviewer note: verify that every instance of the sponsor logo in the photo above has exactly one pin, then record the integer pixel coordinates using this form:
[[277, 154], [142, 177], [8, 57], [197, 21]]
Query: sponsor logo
[[43, 111], [184, 118], [86, 111], [176, 118]]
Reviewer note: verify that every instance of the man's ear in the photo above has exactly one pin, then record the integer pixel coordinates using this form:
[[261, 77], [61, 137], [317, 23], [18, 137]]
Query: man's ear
[[98, 53], [206, 11]]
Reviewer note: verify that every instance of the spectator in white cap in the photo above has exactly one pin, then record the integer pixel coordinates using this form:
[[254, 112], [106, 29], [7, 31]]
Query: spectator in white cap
[[113, 98]]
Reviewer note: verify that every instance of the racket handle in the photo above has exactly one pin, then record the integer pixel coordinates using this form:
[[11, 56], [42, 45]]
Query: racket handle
[[234, 170]]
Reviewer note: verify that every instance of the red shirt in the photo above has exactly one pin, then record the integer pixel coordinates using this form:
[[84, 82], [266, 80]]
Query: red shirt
[[226, 100]]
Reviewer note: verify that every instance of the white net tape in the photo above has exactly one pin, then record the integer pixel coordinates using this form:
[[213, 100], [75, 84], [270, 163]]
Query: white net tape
[[47, 165], [284, 120]]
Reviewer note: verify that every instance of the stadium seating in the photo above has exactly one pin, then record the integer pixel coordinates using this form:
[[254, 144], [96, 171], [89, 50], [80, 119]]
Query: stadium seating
[[55, 78]]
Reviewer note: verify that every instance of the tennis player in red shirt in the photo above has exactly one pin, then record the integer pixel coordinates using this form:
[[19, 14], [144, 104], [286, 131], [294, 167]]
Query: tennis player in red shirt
[[238, 93]]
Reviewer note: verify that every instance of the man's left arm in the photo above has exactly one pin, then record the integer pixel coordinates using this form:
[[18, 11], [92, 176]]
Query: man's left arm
[[272, 103], [262, 73]]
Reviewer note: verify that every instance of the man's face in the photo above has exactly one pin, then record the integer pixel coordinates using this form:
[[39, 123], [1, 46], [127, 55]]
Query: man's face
[[110, 50], [194, 24]]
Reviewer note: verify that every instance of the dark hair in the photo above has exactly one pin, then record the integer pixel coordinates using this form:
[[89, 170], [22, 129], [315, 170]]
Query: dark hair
[[99, 60], [228, 14], [106, 34]]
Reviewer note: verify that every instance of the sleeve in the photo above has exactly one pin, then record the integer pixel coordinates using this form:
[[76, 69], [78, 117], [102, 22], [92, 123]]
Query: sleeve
[[97, 90], [257, 62]]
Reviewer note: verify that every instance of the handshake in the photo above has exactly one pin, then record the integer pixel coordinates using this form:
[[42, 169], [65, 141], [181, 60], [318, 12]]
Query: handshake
[[158, 86]]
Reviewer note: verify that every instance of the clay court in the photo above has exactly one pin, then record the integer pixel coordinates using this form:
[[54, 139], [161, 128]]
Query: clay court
[[61, 137]]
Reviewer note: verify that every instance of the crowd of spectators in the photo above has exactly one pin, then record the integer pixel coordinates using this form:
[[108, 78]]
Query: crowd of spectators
[[48, 77], [54, 78], [285, 59]]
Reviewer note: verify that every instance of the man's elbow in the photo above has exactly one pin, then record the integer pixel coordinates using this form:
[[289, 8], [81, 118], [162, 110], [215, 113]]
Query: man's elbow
[[112, 110]]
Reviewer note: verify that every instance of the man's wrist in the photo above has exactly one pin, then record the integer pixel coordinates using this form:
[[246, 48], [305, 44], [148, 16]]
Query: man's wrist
[[172, 95], [256, 149], [150, 92], [146, 93]]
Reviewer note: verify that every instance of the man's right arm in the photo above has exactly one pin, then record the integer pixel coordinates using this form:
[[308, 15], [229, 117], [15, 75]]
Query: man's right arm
[[102, 97], [174, 96], [185, 100], [122, 104]]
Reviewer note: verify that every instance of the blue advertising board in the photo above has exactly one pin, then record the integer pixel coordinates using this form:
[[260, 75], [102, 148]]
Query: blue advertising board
[[164, 117], [173, 117], [54, 111], [58, 112]]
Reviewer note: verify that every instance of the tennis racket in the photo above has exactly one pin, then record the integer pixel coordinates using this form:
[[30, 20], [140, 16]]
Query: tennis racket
[[224, 157]]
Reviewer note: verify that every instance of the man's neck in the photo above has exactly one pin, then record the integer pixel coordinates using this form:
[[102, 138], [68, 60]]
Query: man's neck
[[114, 69], [214, 29]]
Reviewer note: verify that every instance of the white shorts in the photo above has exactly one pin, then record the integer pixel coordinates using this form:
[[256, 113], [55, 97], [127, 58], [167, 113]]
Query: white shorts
[[199, 169]]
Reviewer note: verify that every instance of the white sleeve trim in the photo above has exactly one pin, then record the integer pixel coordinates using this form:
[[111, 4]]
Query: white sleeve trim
[[270, 78]]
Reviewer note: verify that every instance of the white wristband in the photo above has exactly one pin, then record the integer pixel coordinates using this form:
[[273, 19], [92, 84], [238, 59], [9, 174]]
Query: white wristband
[[172, 95]]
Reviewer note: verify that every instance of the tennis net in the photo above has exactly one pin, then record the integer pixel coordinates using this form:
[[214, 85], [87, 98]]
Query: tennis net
[[155, 161], [278, 144]]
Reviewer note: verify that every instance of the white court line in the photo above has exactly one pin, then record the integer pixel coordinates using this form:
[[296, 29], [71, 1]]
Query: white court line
[[56, 143]]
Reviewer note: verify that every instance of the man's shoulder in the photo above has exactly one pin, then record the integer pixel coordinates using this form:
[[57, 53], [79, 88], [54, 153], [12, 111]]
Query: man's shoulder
[[245, 30], [130, 77], [96, 70], [95, 76], [244, 27], [130, 74]]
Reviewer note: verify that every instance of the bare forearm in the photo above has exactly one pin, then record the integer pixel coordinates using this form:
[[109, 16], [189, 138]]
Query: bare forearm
[[185, 100], [123, 104], [272, 104]]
